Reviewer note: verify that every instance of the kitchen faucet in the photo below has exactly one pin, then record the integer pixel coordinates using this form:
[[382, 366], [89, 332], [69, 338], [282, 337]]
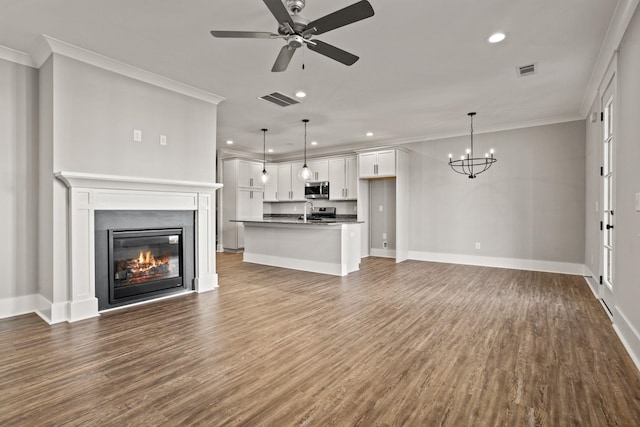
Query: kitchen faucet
[[308, 202]]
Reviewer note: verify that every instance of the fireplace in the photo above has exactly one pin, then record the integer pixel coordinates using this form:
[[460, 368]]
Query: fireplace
[[142, 255]]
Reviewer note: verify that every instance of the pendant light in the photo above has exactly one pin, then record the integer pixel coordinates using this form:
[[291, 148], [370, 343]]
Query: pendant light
[[264, 177], [305, 173], [469, 165]]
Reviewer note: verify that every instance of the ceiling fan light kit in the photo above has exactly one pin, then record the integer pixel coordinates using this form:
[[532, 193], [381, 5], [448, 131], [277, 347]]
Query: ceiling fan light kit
[[298, 31], [469, 165]]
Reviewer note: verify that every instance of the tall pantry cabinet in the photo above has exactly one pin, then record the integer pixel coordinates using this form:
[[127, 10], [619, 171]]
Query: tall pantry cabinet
[[242, 197]]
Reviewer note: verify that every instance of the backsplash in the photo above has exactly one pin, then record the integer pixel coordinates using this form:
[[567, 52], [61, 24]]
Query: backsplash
[[342, 207]]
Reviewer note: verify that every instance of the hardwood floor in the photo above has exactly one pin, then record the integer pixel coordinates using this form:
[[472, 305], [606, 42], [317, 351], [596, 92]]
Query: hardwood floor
[[414, 344]]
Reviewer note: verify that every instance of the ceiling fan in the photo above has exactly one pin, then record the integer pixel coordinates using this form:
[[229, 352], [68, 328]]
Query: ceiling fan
[[297, 30]]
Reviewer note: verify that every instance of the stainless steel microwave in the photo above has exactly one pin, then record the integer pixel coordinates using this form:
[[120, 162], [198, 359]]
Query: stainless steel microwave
[[316, 190]]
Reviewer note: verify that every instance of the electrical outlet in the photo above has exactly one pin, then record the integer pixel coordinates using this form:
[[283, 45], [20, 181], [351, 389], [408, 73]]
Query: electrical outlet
[[477, 245], [385, 245], [163, 140], [137, 135]]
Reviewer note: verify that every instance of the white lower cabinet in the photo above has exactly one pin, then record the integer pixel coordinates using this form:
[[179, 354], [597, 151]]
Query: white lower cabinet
[[239, 203]]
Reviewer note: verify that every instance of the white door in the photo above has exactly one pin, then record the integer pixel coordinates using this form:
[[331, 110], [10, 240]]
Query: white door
[[367, 165], [284, 182], [297, 183], [386, 163], [271, 187], [351, 180], [609, 133], [336, 179]]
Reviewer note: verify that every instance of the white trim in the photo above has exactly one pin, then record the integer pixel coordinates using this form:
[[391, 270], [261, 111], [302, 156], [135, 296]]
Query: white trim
[[512, 263], [628, 335], [51, 312], [294, 264], [590, 278], [617, 28], [16, 57], [45, 46], [90, 180], [383, 253], [16, 306]]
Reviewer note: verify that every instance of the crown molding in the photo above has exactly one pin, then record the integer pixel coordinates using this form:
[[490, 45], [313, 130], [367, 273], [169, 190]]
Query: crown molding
[[45, 46], [617, 27], [16, 57]]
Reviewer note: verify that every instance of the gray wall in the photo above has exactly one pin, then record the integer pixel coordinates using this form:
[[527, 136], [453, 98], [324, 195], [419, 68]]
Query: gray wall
[[18, 179], [96, 112], [382, 192], [87, 118], [529, 205], [627, 236]]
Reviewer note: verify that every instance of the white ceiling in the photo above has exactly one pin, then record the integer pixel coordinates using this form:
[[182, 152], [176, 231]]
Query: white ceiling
[[423, 64]]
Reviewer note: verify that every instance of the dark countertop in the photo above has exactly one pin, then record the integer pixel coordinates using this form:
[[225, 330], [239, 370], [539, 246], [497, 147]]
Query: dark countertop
[[293, 219]]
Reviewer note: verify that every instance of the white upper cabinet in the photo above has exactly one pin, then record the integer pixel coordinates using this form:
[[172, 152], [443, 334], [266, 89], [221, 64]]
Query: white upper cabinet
[[343, 178], [290, 186], [249, 174], [271, 187], [320, 170], [377, 164]]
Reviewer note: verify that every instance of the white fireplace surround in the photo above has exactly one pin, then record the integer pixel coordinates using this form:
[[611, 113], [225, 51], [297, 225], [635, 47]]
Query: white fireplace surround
[[91, 192]]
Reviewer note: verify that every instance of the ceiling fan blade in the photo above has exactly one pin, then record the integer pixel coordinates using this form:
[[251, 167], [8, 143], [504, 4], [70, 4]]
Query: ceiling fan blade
[[332, 52], [279, 12], [340, 18], [244, 34], [283, 59]]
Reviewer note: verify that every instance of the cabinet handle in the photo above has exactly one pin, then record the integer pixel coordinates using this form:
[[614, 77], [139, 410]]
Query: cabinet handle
[[276, 195], [346, 193]]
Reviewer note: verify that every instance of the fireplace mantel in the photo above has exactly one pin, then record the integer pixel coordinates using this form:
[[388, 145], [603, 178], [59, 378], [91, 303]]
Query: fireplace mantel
[[90, 180], [91, 192]]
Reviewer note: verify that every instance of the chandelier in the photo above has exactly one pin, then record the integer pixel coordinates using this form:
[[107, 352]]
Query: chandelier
[[469, 165]]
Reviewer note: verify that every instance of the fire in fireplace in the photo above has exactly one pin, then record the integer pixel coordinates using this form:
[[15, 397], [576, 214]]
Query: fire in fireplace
[[142, 255], [144, 261]]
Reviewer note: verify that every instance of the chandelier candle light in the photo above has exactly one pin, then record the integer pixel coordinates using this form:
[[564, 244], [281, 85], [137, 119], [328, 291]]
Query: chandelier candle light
[[264, 176], [305, 173], [469, 165]]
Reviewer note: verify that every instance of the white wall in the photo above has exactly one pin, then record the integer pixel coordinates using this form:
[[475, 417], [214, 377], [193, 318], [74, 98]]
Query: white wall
[[528, 206], [18, 179], [87, 118]]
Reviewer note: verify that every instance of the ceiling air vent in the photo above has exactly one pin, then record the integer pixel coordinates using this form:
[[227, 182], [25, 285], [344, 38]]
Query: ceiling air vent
[[279, 99], [526, 70]]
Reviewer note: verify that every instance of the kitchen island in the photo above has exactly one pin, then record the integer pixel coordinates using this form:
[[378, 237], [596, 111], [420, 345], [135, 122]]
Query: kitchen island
[[328, 247]]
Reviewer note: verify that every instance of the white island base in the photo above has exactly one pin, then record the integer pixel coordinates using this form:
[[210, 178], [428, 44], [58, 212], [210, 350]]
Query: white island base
[[320, 248]]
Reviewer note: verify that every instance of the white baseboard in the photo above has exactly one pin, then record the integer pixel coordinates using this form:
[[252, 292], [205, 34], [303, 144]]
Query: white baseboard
[[628, 335], [295, 264], [384, 253], [511, 263], [590, 278], [206, 283], [16, 306]]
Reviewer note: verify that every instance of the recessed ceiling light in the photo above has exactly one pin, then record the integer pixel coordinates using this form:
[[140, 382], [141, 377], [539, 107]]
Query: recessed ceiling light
[[314, 142], [496, 38], [369, 133], [300, 94], [229, 142], [270, 150]]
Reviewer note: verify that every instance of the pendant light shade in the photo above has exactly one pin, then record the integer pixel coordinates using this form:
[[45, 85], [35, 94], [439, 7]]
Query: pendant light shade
[[305, 173], [264, 176]]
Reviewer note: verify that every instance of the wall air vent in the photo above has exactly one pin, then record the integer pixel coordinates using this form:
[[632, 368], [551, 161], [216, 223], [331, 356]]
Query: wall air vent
[[279, 99], [526, 70]]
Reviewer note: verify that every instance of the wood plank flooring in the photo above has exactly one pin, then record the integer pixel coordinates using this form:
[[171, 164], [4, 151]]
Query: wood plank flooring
[[411, 344]]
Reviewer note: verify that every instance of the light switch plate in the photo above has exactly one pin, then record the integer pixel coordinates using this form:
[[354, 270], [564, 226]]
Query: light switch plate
[[637, 202], [137, 135], [163, 140]]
